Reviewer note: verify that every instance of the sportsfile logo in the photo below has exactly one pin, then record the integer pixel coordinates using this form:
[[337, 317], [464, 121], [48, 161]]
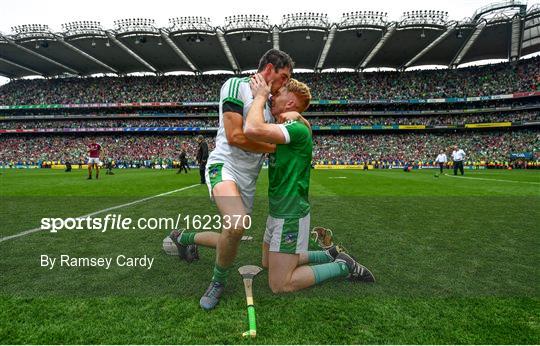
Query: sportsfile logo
[[117, 222], [109, 222]]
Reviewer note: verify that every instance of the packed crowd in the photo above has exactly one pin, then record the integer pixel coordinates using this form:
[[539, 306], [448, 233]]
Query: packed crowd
[[345, 108], [424, 147], [440, 108], [101, 123], [402, 147], [319, 121], [74, 149], [472, 81], [427, 120]]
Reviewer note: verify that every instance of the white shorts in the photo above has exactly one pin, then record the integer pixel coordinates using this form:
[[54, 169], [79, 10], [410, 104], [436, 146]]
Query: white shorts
[[289, 235], [92, 160], [218, 172]]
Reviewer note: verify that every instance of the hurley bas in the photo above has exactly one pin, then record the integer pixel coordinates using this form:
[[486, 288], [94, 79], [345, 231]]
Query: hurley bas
[[100, 262]]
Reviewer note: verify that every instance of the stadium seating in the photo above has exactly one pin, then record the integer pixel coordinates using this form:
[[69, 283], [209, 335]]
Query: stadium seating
[[473, 81], [423, 147], [315, 121], [354, 146], [366, 147]]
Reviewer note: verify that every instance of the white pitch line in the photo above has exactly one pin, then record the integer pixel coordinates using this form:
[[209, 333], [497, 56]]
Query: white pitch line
[[507, 181], [33, 230]]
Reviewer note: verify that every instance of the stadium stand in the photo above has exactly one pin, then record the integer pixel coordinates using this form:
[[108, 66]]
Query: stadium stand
[[328, 149], [436, 120], [423, 147], [492, 111], [473, 81]]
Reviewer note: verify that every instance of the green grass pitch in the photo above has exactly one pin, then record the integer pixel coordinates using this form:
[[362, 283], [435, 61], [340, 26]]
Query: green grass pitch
[[457, 261]]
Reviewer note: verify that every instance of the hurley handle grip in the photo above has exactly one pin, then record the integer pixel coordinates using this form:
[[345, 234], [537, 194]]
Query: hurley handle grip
[[252, 323], [251, 318]]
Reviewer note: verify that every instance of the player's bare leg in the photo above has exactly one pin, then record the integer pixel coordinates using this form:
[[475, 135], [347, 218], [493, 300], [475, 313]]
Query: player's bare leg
[[184, 239], [97, 170], [188, 242], [187, 238], [231, 207], [265, 251], [290, 272], [284, 274], [207, 239], [310, 257], [90, 170]]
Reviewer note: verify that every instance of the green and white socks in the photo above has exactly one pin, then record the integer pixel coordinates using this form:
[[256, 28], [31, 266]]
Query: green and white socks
[[327, 271], [220, 274], [326, 268], [319, 257]]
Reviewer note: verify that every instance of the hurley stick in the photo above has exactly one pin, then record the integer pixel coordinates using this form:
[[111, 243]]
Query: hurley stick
[[248, 273]]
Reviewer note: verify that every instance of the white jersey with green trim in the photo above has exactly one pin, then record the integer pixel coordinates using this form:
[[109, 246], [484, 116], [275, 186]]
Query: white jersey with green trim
[[237, 91]]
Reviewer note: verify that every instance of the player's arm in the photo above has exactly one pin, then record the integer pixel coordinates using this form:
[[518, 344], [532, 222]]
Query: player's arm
[[256, 129], [233, 100], [233, 123]]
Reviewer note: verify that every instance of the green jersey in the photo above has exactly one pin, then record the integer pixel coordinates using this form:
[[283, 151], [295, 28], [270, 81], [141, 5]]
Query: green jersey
[[288, 172]]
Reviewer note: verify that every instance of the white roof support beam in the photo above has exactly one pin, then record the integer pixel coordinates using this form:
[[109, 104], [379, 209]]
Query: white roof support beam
[[86, 55], [377, 47], [130, 52], [275, 37], [227, 51], [9, 62], [516, 38], [326, 48], [43, 57], [178, 51], [477, 31], [430, 46]]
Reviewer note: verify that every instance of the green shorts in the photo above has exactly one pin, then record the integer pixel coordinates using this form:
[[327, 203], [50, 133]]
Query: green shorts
[[289, 235]]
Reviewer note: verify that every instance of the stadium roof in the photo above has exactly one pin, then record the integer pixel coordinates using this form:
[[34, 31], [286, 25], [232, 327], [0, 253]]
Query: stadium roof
[[363, 39]]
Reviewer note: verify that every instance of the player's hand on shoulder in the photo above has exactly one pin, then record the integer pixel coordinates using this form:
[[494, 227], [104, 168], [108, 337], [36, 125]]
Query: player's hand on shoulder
[[259, 87], [291, 116]]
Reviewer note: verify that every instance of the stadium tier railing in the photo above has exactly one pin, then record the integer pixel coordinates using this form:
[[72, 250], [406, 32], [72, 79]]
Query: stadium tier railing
[[314, 102], [308, 114], [316, 128]]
